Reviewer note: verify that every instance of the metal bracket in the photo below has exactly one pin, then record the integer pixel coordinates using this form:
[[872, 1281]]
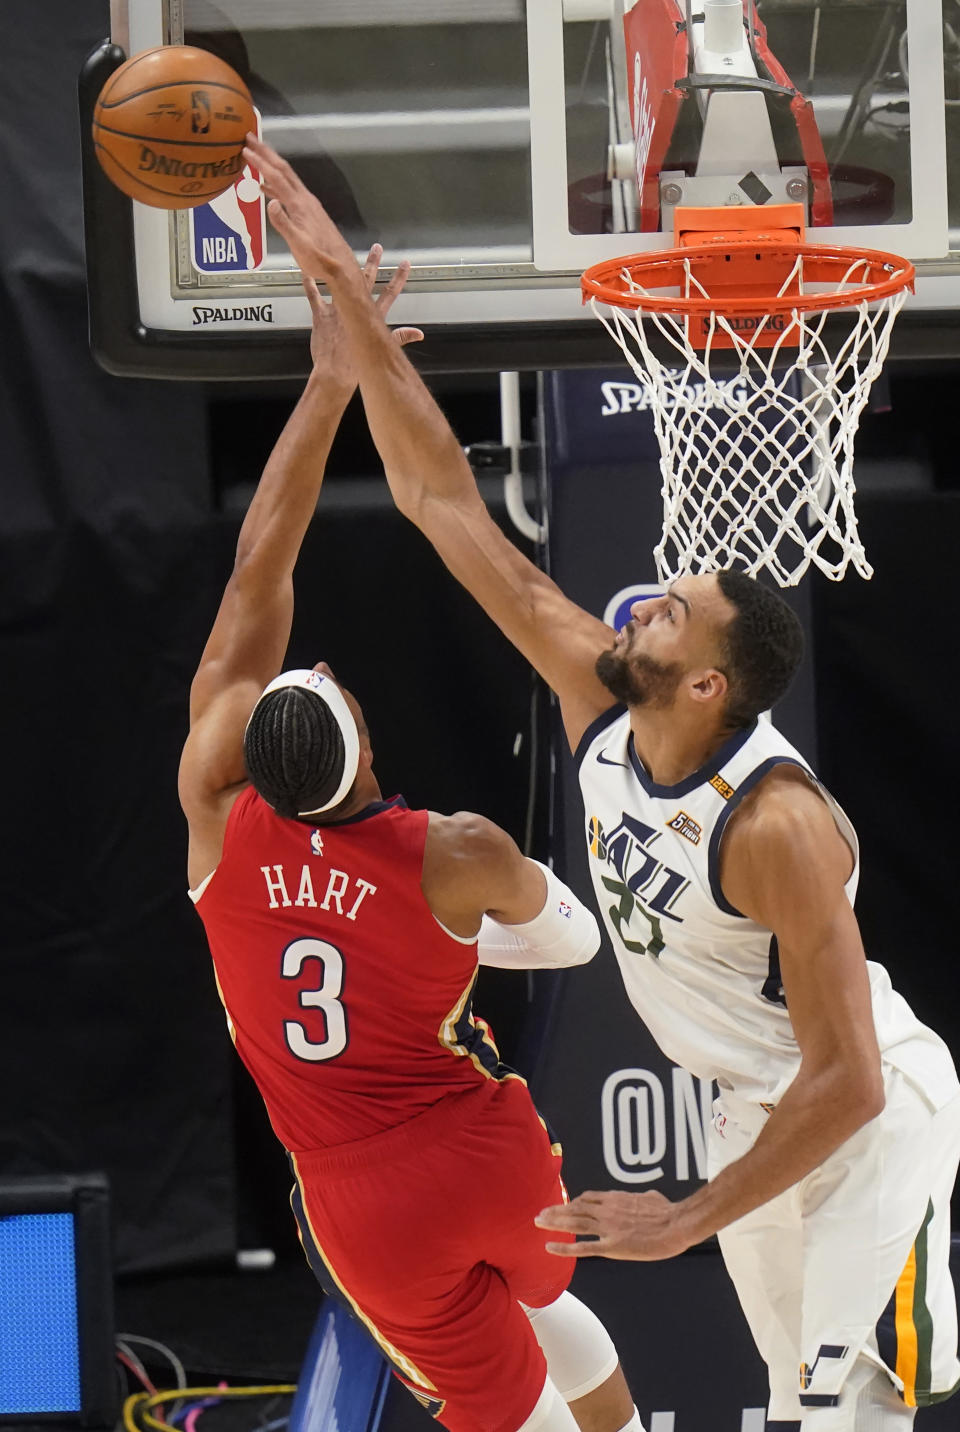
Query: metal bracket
[[506, 458], [524, 522], [736, 83]]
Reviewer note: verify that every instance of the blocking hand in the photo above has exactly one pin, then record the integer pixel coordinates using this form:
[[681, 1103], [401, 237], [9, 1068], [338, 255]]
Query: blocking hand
[[644, 1226], [317, 245], [329, 346]]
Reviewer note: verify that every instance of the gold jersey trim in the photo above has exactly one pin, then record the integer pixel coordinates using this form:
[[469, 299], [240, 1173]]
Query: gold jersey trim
[[408, 1368]]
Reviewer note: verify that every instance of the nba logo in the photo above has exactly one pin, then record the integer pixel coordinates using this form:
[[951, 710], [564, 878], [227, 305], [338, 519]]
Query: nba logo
[[229, 235]]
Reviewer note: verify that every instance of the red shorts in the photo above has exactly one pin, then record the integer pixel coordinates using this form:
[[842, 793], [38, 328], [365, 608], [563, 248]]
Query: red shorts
[[428, 1232]]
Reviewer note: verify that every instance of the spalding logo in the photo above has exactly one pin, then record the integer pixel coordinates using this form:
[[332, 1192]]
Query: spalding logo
[[775, 322], [636, 398], [153, 163], [254, 313]]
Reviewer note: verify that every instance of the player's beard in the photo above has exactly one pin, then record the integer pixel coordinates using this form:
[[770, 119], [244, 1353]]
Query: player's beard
[[639, 680]]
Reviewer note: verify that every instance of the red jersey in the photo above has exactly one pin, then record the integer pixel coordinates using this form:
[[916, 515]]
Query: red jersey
[[347, 1000]]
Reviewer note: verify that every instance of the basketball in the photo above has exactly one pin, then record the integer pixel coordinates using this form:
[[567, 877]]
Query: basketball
[[169, 126]]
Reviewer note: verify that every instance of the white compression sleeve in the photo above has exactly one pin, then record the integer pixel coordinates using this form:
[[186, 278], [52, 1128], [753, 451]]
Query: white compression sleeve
[[564, 933], [579, 1351], [634, 1425], [551, 1413]]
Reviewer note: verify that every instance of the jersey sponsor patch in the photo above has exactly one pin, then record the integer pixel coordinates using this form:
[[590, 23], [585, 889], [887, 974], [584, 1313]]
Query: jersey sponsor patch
[[719, 784], [686, 826]]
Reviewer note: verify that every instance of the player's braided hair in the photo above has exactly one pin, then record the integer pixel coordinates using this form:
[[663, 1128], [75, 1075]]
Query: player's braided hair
[[294, 751], [763, 647]]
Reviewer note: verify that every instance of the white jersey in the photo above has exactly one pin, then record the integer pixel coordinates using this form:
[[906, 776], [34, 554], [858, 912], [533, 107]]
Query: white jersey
[[704, 978]]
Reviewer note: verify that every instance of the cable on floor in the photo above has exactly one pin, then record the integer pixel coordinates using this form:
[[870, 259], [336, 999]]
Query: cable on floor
[[137, 1408]]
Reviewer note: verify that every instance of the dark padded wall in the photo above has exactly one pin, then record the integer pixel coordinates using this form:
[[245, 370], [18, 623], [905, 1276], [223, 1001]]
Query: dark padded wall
[[887, 718], [110, 1033]]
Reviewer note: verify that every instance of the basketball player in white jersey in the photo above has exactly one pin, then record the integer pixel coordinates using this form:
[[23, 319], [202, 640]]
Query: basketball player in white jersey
[[837, 1130]]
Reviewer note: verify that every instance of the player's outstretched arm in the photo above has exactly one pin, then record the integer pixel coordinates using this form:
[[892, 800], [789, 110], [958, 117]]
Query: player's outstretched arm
[[249, 637], [429, 475], [476, 881], [785, 865]]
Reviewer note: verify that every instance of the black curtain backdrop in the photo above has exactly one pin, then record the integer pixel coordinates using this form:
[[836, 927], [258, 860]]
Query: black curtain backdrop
[[110, 1033], [112, 1039], [887, 722]]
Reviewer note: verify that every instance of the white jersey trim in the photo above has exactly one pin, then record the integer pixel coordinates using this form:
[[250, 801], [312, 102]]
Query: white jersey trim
[[195, 894], [460, 939]]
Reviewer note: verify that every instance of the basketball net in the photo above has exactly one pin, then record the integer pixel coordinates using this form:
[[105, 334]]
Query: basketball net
[[756, 416]]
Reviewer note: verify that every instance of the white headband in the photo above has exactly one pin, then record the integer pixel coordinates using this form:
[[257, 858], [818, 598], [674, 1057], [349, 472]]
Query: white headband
[[329, 692]]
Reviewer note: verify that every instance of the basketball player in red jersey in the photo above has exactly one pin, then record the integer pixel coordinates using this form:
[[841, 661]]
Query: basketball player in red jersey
[[343, 930]]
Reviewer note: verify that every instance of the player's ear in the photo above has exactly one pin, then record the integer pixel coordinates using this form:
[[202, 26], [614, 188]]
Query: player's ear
[[710, 685]]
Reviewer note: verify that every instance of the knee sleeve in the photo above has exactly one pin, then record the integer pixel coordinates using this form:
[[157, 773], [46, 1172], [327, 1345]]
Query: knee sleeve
[[579, 1351], [634, 1425], [551, 1413]]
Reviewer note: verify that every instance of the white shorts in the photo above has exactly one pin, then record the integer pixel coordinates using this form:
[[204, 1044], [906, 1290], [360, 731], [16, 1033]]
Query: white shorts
[[854, 1259]]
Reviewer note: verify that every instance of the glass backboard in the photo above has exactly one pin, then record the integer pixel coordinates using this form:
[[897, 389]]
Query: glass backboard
[[495, 145]]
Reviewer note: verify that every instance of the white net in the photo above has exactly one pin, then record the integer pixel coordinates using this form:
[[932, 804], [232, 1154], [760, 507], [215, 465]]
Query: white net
[[756, 442]]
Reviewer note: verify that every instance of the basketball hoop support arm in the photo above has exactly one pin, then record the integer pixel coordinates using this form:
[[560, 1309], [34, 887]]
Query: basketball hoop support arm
[[718, 59], [525, 524]]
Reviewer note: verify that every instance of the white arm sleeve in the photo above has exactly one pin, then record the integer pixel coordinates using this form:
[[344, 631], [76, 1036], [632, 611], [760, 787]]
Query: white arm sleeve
[[564, 933]]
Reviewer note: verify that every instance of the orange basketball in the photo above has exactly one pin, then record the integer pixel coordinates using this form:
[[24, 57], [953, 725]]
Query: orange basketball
[[169, 126]]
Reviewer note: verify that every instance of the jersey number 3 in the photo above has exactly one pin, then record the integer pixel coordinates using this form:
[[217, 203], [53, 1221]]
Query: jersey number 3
[[325, 997]]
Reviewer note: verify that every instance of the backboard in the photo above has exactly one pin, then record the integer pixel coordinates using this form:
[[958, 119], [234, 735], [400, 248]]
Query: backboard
[[497, 145]]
